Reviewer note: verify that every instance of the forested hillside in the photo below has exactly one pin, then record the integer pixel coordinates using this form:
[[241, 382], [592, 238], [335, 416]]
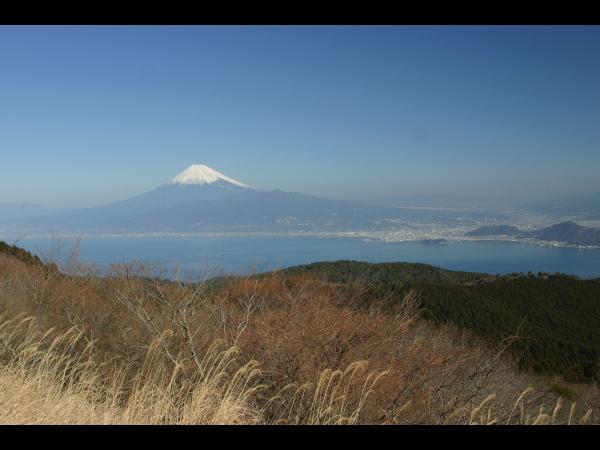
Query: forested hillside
[[554, 319]]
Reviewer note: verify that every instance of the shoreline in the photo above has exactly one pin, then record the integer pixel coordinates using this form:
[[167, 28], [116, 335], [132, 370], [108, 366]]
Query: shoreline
[[365, 236]]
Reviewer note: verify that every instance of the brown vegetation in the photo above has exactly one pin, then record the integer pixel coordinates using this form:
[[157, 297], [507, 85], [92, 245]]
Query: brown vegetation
[[129, 347]]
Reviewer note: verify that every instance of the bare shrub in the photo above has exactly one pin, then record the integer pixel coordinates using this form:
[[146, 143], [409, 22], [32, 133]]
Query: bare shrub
[[144, 349]]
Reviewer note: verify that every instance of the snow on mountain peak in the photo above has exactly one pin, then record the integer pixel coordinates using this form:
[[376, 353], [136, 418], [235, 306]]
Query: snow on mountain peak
[[201, 174]]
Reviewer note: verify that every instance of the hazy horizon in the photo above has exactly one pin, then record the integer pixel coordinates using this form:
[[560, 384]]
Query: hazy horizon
[[94, 115]]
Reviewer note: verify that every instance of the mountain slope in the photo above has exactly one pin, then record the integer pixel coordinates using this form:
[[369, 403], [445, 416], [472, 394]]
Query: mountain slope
[[201, 199], [196, 183], [567, 232], [556, 317], [385, 273], [250, 210]]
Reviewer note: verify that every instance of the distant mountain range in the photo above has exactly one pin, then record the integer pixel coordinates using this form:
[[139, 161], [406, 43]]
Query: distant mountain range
[[200, 199], [495, 230], [566, 232]]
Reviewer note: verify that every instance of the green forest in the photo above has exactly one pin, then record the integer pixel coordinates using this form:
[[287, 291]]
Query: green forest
[[554, 318]]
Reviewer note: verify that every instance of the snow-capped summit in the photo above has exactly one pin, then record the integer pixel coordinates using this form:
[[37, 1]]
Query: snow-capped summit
[[200, 200], [202, 174]]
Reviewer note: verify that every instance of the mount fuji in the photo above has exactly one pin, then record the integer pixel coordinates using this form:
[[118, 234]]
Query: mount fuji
[[201, 199], [197, 183]]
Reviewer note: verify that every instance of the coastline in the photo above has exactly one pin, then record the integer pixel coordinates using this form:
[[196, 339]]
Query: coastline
[[392, 236]]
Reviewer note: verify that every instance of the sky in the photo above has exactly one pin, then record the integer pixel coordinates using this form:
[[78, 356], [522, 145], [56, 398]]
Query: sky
[[91, 115]]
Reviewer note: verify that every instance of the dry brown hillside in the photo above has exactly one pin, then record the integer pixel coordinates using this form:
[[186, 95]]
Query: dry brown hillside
[[126, 347]]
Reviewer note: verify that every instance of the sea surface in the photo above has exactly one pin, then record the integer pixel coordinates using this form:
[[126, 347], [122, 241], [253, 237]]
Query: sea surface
[[211, 256]]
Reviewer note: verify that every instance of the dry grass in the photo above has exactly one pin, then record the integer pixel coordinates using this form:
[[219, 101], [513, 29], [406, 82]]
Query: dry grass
[[127, 348], [40, 382]]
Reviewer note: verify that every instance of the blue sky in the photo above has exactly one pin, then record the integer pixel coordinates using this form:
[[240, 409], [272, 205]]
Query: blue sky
[[90, 115]]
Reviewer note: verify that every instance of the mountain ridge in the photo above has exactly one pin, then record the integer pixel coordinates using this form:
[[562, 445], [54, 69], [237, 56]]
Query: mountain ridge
[[567, 232], [201, 199]]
